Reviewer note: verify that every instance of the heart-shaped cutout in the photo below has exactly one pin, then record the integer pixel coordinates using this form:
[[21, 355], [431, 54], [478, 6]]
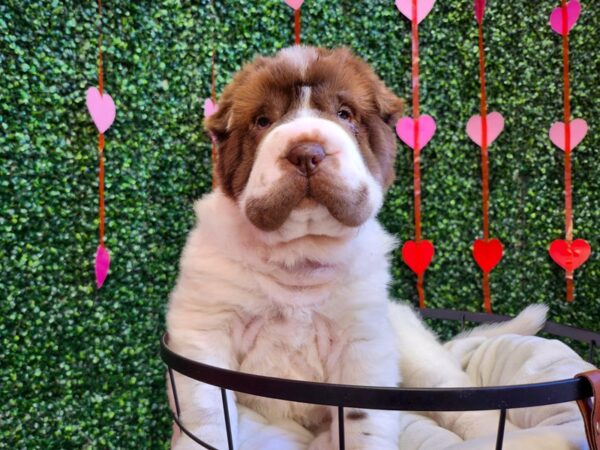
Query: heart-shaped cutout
[[102, 265], [557, 17], [101, 108], [479, 10], [495, 126], [405, 128], [488, 253], [296, 4], [424, 7], [210, 108], [418, 255], [572, 255], [558, 134]]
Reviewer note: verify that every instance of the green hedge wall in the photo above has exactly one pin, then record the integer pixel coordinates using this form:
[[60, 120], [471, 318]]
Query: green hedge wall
[[79, 368]]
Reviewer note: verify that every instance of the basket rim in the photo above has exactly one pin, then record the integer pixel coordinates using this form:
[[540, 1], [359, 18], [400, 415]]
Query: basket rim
[[394, 398]]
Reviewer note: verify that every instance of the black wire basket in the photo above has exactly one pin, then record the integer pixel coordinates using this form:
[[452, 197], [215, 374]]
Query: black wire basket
[[500, 398]]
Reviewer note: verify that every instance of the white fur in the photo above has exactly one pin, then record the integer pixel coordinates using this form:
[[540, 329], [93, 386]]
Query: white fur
[[246, 303]]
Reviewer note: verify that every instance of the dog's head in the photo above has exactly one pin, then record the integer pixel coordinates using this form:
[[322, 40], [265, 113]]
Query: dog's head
[[306, 137]]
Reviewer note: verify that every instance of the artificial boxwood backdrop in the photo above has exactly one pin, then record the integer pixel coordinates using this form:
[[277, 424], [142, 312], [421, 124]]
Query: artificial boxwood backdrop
[[79, 368]]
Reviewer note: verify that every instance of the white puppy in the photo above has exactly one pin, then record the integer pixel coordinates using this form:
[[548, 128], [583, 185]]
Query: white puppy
[[287, 269]]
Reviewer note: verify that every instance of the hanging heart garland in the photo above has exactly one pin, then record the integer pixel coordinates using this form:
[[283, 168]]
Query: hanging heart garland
[[484, 129], [423, 7], [296, 5], [101, 107], [210, 104], [479, 10], [102, 110], [558, 134], [418, 255], [406, 127], [564, 18], [487, 253], [569, 254], [416, 132], [494, 126], [210, 108]]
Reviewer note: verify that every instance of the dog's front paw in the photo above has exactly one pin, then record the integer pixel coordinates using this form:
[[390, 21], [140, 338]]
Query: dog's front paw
[[213, 436]]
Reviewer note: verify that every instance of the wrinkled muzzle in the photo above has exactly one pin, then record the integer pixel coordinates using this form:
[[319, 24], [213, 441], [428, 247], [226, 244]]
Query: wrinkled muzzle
[[309, 164]]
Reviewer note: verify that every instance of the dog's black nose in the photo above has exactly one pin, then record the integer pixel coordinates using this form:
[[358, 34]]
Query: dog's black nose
[[306, 157]]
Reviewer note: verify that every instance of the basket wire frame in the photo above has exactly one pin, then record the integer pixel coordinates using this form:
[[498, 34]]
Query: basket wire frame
[[499, 398]]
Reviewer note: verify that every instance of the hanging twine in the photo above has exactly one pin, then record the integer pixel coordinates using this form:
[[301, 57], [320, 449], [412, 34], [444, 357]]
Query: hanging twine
[[101, 135], [567, 121], [487, 300], [416, 150]]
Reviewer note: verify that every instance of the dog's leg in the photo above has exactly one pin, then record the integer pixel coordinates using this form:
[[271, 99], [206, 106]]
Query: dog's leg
[[425, 363], [201, 404], [369, 357]]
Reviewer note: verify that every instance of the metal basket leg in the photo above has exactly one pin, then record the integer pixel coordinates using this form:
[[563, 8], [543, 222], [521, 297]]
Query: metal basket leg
[[501, 426], [341, 432]]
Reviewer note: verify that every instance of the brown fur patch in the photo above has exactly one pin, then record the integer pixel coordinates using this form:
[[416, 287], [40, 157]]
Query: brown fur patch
[[356, 415], [270, 211]]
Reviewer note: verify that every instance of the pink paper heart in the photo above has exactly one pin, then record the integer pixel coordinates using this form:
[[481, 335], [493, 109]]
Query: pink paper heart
[[424, 7], [479, 10], [209, 108], [579, 129], [296, 4], [495, 126], [101, 108], [405, 128], [556, 18], [102, 265]]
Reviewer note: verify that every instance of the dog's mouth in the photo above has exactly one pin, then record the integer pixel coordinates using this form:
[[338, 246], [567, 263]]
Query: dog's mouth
[[349, 206]]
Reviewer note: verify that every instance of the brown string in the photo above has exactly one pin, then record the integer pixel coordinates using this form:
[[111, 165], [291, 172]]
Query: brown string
[[567, 120], [214, 100], [416, 149], [487, 300], [297, 26], [101, 135]]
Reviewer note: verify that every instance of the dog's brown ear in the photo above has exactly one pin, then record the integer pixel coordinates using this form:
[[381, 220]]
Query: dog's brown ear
[[391, 107], [382, 134]]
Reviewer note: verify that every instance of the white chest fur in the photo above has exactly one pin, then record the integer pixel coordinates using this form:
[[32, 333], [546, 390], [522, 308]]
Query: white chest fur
[[297, 344]]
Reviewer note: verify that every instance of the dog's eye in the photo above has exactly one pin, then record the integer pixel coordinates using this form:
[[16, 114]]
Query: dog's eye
[[263, 122], [344, 113]]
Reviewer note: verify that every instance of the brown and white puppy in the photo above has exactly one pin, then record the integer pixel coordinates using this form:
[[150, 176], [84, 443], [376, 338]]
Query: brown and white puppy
[[286, 271]]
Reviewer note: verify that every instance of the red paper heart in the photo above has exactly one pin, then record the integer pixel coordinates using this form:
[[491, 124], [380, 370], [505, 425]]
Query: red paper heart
[[418, 255], [487, 254], [572, 255]]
